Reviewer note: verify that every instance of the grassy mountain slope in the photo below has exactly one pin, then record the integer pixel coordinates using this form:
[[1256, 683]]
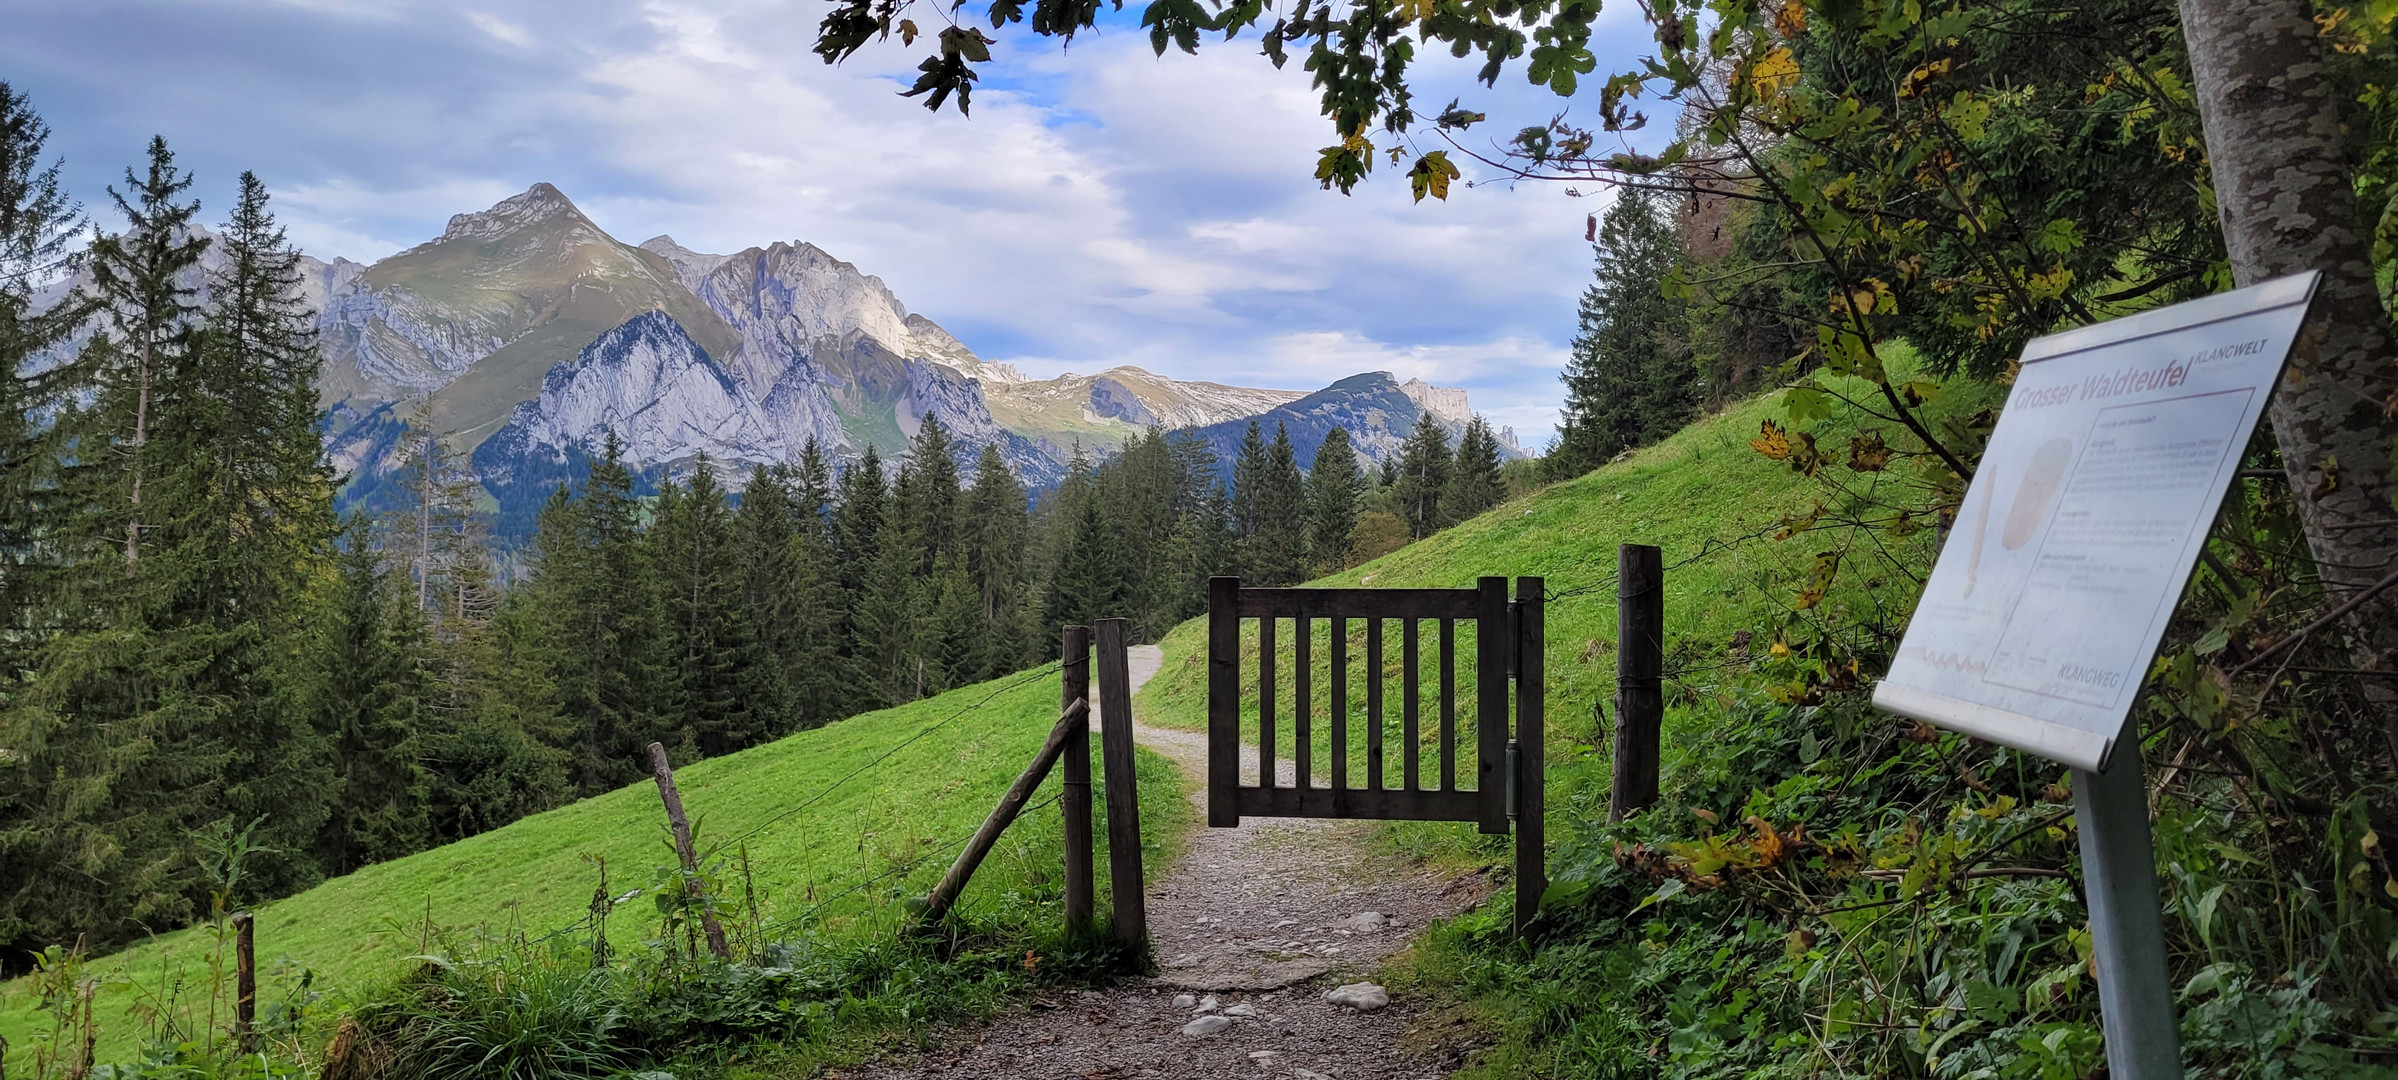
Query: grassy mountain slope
[[533, 876]]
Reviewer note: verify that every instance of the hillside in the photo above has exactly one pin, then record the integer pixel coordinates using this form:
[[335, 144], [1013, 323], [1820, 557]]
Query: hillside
[[820, 872]]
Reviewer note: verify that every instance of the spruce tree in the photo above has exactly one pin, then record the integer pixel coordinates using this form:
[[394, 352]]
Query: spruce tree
[[1334, 485], [1630, 381], [996, 525], [141, 276], [935, 503], [691, 556], [1275, 553], [1423, 472], [765, 551], [366, 685], [604, 636], [1248, 479], [38, 231], [1474, 483]]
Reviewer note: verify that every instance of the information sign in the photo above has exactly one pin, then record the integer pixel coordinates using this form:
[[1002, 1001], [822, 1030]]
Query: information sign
[[2085, 518]]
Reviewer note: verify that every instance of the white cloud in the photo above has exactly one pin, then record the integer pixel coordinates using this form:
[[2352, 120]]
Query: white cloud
[[501, 28]]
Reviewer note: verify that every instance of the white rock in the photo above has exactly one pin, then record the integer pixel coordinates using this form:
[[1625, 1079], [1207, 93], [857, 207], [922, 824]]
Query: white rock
[[1206, 1025], [1242, 1009], [1363, 997], [1209, 1004], [1366, 920], [1184, 1001], [1261, 1055]]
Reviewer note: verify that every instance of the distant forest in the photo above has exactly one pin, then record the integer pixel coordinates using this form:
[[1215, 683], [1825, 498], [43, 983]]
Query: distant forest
[[215, 688]]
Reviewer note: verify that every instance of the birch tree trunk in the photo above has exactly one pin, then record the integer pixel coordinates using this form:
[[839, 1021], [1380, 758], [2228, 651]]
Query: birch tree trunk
[[2274, 141]]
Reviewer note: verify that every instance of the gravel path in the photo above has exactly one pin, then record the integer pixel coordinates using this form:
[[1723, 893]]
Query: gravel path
[[1264, 919]]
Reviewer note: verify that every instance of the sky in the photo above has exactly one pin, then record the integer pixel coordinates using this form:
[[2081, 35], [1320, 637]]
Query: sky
[[1101, 206]]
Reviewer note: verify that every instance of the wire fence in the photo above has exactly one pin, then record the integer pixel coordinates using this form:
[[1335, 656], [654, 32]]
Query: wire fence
[[583, 925]]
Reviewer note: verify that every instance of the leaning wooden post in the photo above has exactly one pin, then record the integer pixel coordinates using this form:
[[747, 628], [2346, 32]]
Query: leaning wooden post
[[664, 773], [245, 982], [1531, 763], [1074, 796], [945, 892], [1123, 789], [1639, 668], [1223, 702]]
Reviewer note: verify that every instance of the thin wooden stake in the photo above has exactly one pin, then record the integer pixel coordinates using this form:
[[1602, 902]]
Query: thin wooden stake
[[245, 982], [664, 774]]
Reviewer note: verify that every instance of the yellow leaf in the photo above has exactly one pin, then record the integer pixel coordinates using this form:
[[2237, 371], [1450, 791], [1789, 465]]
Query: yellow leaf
[[1790, 20], [1431, 175], [1772, 441], [908, 31], [1774, 72], [1704, 814]]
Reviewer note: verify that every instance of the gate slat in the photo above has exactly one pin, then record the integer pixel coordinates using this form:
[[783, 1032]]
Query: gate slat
[[1302, 740], [1340, 704], [1411, 703], [1448, 704], [1374, 704], [1490, 702], [1265, 701]]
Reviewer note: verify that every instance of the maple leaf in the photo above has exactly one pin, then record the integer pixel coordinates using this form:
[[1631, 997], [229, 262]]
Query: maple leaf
[[1431, 176], [1867, 453], [1772, 441]]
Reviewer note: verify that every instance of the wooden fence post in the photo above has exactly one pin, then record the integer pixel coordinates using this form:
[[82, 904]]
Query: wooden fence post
[[1074, 796], [664, 774], [245, 982], [1531, 712], [1123, 789], [1639, 668]]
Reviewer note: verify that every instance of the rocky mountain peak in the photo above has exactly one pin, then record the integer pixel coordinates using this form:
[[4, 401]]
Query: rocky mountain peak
[[540, 204], [690, 267], [1447, 402]]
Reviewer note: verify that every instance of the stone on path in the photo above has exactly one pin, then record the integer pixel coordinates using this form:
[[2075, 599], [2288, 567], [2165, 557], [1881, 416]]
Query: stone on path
[[1368, 921], [1208, 1004], [1185, 1001], [1242, 1009], [1206, 1025], [1363, 997]]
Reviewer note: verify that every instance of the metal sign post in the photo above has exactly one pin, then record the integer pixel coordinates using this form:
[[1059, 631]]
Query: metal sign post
[[2037, 627]]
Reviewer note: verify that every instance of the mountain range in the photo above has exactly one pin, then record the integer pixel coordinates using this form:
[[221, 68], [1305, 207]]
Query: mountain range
[[527, 335]]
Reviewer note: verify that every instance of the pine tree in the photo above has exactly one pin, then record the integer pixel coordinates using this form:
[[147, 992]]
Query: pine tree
[[1248, 479], [1631, 381], [140, 275], [1334, 485], [996, 525], [1474, 484], [1423, 471], [690, 554], [1275, 551], [603, 634], [367, 682], [935, 472], [38, 228]]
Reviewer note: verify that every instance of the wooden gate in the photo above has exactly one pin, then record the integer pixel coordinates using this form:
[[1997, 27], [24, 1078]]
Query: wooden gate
[[1506, 764]]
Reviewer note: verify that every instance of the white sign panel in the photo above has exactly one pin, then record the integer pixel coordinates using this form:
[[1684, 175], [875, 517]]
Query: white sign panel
[[2085, 518]]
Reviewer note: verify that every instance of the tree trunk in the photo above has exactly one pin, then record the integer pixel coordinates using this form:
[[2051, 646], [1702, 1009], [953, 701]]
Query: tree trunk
[[2274, 139]]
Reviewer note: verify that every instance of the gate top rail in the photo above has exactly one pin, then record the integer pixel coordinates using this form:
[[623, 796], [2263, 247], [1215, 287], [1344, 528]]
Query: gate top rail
[[1357, 603]]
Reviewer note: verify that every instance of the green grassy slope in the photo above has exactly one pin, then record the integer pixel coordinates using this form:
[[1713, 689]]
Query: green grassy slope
[[532, 876]]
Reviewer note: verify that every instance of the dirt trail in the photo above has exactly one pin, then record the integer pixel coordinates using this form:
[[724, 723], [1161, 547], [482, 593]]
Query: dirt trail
[[1264, 918]]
